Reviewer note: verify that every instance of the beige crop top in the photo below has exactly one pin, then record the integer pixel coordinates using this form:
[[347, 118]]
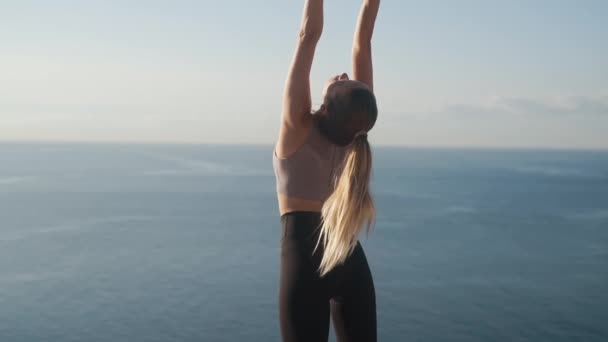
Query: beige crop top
[[310, 172]]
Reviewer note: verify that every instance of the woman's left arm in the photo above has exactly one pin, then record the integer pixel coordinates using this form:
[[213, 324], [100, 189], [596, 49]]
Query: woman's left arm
[[296, 96]]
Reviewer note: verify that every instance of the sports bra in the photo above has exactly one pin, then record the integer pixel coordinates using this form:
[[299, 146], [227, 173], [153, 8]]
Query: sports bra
[[310, 172]]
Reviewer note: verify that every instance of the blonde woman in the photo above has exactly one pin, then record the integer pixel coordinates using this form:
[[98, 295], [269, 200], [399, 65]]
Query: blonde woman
[[322, 163]]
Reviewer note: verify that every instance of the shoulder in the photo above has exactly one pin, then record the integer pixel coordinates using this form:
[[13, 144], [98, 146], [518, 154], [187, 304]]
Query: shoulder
[[291, 137]]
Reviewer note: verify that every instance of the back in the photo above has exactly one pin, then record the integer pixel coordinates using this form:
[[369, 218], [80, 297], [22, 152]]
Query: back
[[310, 172]]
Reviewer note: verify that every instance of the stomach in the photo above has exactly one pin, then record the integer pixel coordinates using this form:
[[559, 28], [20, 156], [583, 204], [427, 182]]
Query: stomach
[[290, 204]]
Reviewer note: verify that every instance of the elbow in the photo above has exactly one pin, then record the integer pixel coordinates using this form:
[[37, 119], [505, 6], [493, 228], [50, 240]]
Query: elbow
[[310, 35], [363, 40], [362, 46]]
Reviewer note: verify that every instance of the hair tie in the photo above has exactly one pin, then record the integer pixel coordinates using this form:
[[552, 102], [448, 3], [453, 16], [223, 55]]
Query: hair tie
[[361, 134]]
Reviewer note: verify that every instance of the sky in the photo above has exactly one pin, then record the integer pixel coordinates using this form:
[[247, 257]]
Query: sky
[[530, 74]]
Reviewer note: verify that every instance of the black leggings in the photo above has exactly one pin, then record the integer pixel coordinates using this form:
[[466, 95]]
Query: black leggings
[[306, 299]]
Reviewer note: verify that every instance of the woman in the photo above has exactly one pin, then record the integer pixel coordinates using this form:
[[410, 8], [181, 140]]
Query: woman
[[322, 163]]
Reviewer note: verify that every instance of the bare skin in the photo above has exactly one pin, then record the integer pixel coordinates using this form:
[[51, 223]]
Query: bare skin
[[296, 118]]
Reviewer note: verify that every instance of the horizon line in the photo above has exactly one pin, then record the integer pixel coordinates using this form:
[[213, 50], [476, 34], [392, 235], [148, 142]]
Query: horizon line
[[224, 144]]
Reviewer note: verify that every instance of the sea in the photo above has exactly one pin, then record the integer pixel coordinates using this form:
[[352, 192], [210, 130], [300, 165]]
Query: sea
[[140, 242]]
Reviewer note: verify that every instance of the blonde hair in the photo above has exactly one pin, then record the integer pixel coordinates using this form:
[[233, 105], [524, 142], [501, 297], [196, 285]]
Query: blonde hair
[[349, 209]]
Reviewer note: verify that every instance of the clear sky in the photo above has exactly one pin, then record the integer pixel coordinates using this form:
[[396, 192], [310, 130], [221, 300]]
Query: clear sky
[[447, 73]]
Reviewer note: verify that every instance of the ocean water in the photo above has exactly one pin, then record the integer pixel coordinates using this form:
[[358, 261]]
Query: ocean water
[[181, 243]]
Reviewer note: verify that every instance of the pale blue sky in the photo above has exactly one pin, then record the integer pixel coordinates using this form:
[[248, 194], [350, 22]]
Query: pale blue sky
[[448, 73]]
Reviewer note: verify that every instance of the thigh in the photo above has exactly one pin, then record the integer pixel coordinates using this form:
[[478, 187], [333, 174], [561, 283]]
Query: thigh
[[303, 300], [353, 310]]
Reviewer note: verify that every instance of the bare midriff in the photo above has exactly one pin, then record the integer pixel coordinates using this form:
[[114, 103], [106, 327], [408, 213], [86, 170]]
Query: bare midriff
[[291, 204]]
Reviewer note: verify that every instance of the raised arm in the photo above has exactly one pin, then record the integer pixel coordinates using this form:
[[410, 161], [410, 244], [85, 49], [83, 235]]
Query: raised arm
[[362, 43], [296, 97]]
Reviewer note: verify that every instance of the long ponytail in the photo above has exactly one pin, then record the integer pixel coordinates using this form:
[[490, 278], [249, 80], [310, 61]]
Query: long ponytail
[[349, 208]]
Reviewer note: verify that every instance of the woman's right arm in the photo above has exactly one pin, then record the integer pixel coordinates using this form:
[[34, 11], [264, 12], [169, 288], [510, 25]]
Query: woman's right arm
[[362, 43]]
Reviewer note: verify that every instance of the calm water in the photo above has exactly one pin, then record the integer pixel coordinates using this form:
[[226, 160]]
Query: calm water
[[180, 243]]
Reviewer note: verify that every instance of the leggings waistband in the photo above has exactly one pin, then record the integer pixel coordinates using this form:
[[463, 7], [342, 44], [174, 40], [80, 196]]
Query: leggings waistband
[[301, 224]]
